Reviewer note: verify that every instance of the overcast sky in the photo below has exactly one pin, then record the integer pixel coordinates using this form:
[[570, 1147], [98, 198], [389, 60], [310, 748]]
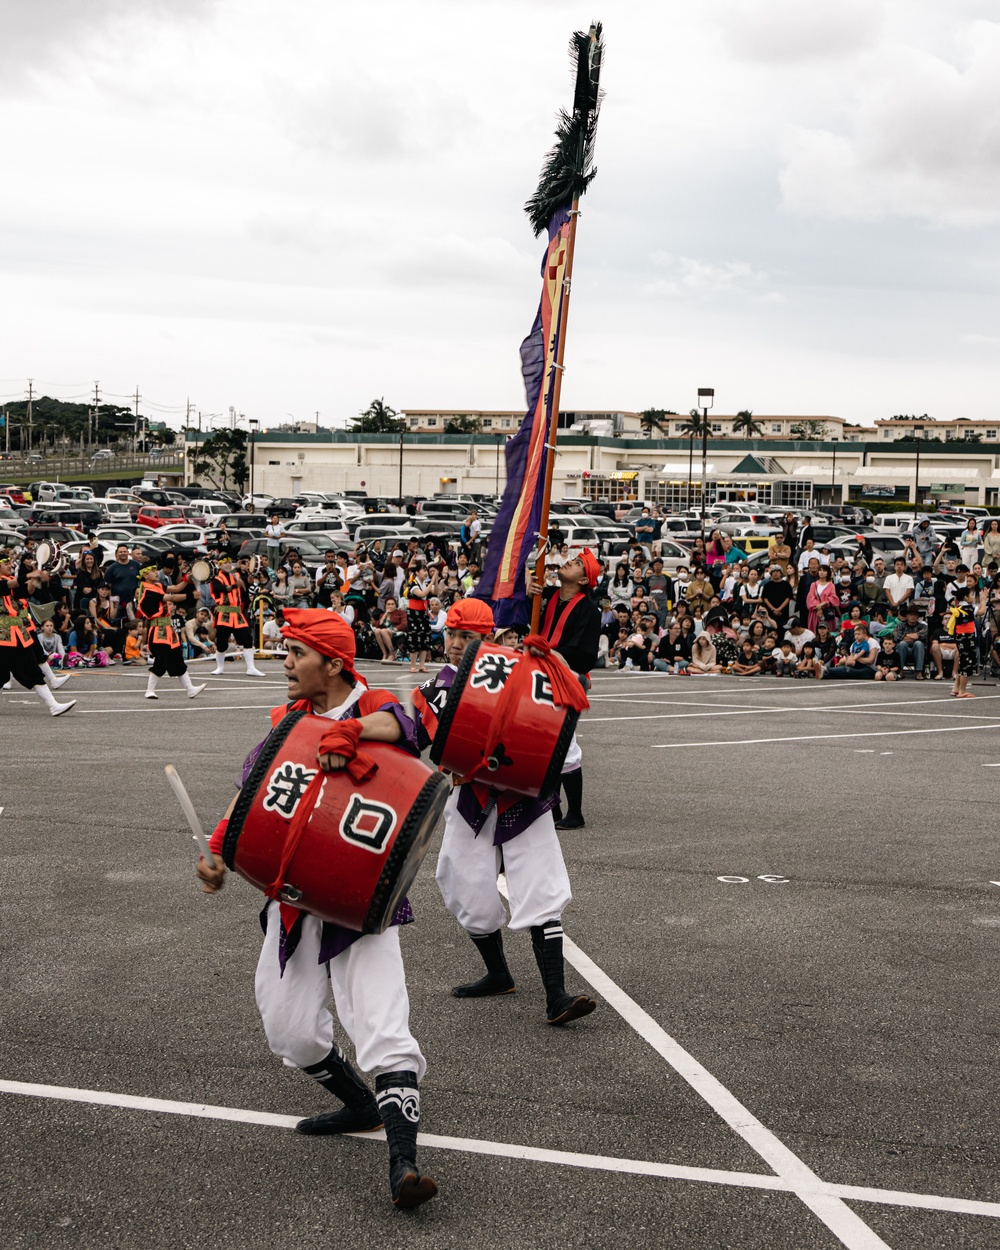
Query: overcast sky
[[300, 207]]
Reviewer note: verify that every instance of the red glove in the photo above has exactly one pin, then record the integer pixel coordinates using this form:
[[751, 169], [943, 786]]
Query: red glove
[[218, 835]]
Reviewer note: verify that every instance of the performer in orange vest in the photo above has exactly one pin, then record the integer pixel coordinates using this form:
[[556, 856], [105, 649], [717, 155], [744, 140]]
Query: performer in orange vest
[[303, 956], [18, 657], [571, 622], [229, 597], [162, 639], [484, 829]]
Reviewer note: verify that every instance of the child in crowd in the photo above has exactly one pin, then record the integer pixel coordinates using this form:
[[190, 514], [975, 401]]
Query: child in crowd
[[133, 650], [808, 665], [888, 666], [785, 659], [747, 663]]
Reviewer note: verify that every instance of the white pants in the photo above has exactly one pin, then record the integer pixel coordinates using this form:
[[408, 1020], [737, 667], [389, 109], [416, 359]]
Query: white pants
[[574, 757], [537, 882], [369, 991]]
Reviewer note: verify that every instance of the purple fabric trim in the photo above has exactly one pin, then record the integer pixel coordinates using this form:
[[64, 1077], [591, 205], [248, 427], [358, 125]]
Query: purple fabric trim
[[510, 823], [335, 938], [408, 742], [436, 693], [248, 764]]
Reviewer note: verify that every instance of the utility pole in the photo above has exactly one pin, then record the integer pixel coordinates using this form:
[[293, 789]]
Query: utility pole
[[31, 419], [135, 428], [97, 400]]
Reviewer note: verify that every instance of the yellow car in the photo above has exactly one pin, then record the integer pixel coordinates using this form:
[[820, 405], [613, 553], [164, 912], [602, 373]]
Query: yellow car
[[752, 543]]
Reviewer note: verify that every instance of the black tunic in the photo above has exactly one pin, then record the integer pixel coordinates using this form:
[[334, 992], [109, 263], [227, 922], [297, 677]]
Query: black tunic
[[581, 634]]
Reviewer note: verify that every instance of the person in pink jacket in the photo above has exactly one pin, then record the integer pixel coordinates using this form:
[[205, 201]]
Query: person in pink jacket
[[820, 593]]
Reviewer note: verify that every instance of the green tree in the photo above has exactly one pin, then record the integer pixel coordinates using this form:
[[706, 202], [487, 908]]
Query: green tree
[[810, 431], [461, 424], [656, 419], [744, 423], [62, 420], [378, 418], [222, 458]]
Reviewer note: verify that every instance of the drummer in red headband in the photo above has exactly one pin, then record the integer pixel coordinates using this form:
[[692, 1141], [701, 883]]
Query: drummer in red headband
[[302, 955], [483, 828], [571, 621]]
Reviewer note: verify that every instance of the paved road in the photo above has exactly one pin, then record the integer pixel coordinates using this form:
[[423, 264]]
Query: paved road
[[846, 1010]]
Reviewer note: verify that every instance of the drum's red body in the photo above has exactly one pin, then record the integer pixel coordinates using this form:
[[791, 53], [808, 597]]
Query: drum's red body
[[530, 763], [363, 842]]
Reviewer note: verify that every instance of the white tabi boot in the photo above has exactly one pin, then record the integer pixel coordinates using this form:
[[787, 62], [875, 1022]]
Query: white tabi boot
[[220, 663], [193, 691], [51, 680], [252, 669], [151, 686], [55, 709]]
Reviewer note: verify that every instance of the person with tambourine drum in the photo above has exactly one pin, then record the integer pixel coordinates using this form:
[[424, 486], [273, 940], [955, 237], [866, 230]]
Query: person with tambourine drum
[[162, 638], [18, 645], [229, 602]]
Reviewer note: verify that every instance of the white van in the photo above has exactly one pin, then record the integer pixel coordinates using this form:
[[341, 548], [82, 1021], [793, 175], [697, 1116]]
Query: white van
[[208, 507], [113, 509], [898, 522]]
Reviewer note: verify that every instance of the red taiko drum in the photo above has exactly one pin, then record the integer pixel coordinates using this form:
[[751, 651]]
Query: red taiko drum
[[363, 842], [530, 760]]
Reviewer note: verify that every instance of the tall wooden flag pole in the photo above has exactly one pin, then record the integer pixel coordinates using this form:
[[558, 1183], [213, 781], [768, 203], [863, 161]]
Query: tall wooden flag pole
[[554, 208]]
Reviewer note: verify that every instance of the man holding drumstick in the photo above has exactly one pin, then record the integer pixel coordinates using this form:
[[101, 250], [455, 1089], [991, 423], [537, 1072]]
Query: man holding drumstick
[[303, 955]]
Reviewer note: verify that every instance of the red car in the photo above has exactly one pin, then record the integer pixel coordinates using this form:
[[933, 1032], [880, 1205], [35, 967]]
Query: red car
[[15, 494], [156, 517]]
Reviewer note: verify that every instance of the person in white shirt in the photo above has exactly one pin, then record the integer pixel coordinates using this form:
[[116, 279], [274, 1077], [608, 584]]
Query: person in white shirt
[[809, 552], [898, 586], [798, 635], [275, 532]]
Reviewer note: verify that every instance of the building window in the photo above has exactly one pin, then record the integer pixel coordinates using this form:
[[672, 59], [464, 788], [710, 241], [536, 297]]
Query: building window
[[716, 427], [991, 433], [414, 420], [487, 423], [776, 427], [432, 422], [505, 422]]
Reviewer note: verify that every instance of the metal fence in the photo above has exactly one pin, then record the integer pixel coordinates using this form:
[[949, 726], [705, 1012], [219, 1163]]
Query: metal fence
[[57, 468]]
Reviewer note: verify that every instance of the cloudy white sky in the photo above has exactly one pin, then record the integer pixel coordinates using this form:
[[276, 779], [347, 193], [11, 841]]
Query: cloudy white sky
[[296, 208]]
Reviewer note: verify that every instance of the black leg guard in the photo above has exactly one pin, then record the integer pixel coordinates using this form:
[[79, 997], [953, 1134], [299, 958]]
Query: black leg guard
[[399, 1103], [560, 1007], [360, 1111], [572, 783], [498, 979]]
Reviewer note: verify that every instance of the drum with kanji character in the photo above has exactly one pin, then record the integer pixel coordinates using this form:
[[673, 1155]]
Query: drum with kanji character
[[355, 848], [530, 756]]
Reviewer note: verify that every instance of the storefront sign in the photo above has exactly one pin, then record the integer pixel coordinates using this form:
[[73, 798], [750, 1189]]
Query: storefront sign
[[625, 475], [878, 491]]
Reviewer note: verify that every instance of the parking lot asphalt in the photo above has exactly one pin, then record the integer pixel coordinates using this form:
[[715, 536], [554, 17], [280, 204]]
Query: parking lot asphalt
[[785, 896]]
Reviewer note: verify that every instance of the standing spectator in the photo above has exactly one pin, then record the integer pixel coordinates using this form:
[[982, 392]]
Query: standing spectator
[[299, 586], [777, 595], [925, 540], [274, 532], [790, 532], [962, 626], [645, 530], [910, 639], [821, 594], [806, 534], [870, 592], [991, 541], [122, 576], [898, 587], [417, 593], [779, 552], [969, 542], [469, 533]]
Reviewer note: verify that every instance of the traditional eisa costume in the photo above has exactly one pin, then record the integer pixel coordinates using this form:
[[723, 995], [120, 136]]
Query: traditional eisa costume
[[162, 638], [303, 955], [487, 832], [229, 607], [18, 646]]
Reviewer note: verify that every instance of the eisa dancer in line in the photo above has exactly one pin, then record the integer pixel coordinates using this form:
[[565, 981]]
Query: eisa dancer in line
[[162, 639], [229, 605], [18, 648], [303, 955], [571, 622], [484, 829]]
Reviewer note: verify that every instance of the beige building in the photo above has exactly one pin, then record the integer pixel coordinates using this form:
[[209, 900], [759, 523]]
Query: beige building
[[664, 471], [962, 429]]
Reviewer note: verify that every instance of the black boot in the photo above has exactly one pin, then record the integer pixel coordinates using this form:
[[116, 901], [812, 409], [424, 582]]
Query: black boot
[[573, 785], [360, 1111], [498, 979], [399, 1104], [560, 1007]]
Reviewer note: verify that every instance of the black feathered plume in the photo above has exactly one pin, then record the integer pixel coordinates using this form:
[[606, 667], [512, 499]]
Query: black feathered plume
[[569, 168]]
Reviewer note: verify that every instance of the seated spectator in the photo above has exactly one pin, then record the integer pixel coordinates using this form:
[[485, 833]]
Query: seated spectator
[[51, 644], [910, 636], [785, 659], [860, 658], [808, 664], [199, 633], [747, 663], [703, 657], [889, 666], [133, 648], [825, 644], [273, 622], [673, 652], [798, 635], [300, 586]]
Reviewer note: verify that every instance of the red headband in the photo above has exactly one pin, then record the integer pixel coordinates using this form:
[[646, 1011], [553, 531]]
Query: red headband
[[471, 614], [591, 565], [326, 632]]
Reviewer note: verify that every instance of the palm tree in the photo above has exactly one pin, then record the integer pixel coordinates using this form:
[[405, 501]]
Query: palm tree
[[655, 419], [694, 427], [378, 418], [744, 421]]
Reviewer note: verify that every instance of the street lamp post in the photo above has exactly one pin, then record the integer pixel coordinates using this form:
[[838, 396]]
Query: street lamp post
[[496, 488], [254, 422], [706, 397], [402, 431], [917, 432], [833, 475]]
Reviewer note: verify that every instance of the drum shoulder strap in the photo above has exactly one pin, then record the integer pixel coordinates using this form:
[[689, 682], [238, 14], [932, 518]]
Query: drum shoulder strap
[[554, 635]]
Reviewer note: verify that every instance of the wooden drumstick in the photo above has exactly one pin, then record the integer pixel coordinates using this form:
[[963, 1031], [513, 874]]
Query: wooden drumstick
[[188, 808]]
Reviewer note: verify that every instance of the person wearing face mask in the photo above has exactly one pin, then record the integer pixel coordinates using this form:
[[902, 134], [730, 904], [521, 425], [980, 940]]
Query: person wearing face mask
[[869, 592]]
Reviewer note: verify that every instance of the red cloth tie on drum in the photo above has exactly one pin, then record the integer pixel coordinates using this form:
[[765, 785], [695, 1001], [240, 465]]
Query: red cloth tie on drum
[[566, 692], [341, 738]]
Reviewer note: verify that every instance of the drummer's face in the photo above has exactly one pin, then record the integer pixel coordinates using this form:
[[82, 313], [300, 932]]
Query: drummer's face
[[455, 642], [308, 672]]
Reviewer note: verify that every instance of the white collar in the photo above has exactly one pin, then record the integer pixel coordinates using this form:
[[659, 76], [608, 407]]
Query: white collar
[[339, 713]]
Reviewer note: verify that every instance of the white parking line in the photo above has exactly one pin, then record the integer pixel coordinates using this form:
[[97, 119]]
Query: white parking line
[[886, 733], [508, 1150]]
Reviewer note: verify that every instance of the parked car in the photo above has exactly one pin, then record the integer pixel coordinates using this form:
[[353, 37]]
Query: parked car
[[187, 535], [211, 509], [16, 493], [319, 530], [105, 453], [387, 528], [260, 501], [285, 508], [51, 533], [112, 509], [242, 521], [154, 517], [311, 555], [11, 519], [122, 533]]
